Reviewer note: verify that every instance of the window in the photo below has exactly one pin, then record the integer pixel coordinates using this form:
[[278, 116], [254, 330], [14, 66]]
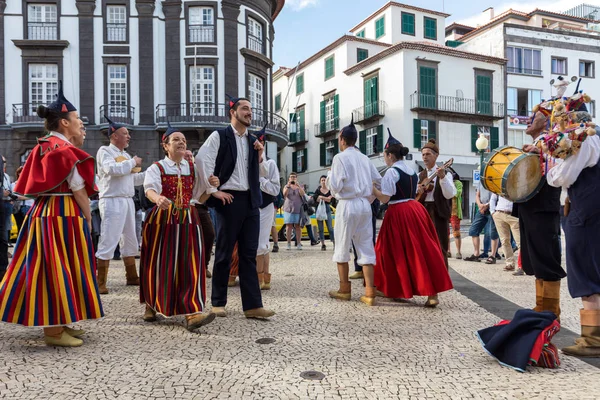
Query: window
[[518, 138], [371, 104], [361, 54], [361, 34], [256, 91], [591, 107], [330, 120], [42, 22], [299, 84], [423, 130], [559, 66], [430, 28], [524, 61], [43, 84], [408, 24], [329, 67], [427, 87], [116, 24], [255, 36], [117, 90], [278, 102], [371, 140], [586, 69], [329, 150], [520, 102], [512, 102], [299, 160], [329, 114], [202, 90], [380, 27], [484, 94], [492, 134], [201, 25]]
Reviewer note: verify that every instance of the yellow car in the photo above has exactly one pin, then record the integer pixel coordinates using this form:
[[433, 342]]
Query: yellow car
[[14, 232], [313, 222]]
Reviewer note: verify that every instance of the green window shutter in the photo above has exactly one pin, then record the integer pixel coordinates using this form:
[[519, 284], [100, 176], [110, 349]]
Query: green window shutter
[[361, 34], [380, 27], [430, 28], [379, 143], [484, 94], [336, 111], [361, 54], [474, 137], [277, 102], [494, 138], [427, 84], [301, 126], [417, 133], [432, 130], [322, 154], [322, 120], [293, 127], [336, 147], [329, 67], [304, 160], [362, 141], [408, 24], [294, 161], [299, 84], [371, 97]]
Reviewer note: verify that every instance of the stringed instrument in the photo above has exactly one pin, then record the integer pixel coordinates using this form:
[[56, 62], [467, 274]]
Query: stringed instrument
[[427, 181], [134, 170]]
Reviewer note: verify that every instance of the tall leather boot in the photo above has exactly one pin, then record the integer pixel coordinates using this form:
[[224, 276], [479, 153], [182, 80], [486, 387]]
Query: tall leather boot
[[266, 285], [131, 274], [369, 297], [551, 297], [588, 345], [102, 267], [539, 295], [344, 292]]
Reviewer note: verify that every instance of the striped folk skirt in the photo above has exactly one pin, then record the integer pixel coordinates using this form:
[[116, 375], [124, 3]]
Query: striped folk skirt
[[172, 279], [51, 280]]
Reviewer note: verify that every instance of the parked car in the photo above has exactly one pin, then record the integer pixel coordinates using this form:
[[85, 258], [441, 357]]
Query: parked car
[[313, 222], [14, 231]]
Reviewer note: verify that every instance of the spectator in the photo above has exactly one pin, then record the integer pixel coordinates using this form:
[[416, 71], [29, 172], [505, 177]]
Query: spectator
[[25, 203], [456, 215], [3, 240], [324, 194], [481, 219], [293, 192], [8, 204], [501, 210]]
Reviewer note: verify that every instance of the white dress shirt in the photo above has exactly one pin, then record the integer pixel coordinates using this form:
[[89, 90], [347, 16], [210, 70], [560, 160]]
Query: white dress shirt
[[153, 179], [6, 185], [566, 173], [448, 188], [239, 178], [352, 176], [271, 183], [498, 203], [115, 178], [74, 179], [391, 177]]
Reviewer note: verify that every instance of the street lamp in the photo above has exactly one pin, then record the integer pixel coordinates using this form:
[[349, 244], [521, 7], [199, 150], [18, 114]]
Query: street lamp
[[482, 145]]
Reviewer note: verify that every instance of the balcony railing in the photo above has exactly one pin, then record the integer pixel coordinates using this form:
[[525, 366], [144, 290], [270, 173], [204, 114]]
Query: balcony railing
[[118, 113], [323, 128], [26, 113], [369, 112], [201, 33], [524, 71], [456, 105], [116, 32], [212, 114], [299, 136], [255, 44], [42, 31]]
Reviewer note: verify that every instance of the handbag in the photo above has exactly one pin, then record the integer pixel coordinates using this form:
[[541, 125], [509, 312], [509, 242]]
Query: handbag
[[322, 211]]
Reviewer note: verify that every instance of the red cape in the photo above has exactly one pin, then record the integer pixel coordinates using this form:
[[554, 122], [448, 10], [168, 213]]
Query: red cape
[[49, 165]]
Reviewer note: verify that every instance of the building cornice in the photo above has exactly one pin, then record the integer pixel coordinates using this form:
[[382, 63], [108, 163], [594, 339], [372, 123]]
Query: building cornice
[[396, 4], [552, 31], [41, 44], [278, 8], [424, 47], [257, 56]]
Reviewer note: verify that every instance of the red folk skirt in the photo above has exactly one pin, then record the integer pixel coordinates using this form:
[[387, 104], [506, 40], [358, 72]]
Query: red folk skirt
[[409, 257]]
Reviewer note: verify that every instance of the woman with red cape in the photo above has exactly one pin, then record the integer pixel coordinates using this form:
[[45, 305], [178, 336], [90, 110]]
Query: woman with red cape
[[409, 256]]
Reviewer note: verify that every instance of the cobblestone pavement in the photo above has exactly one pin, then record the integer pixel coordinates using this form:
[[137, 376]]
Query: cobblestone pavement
[[392, 351]]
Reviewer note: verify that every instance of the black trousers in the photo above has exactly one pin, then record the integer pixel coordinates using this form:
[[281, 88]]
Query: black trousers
[[441, 228], [237, 222], [208, 232], [3, 242], [540, 244]]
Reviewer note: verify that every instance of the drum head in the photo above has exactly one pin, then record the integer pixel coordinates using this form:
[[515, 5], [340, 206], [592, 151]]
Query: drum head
[[523, 178]]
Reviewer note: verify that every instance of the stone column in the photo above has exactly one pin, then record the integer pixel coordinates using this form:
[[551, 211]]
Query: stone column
[[86, 59], [231, 12], [145, 9], [172, 11]]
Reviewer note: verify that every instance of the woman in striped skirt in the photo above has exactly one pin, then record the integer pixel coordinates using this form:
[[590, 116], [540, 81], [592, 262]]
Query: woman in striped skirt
[[51, 280], [172, 279]]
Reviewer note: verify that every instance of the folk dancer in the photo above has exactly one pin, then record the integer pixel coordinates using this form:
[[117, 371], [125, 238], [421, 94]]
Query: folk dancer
[[351, 181], [118, 174], [409, 256], [172, 262], [236, 158], [51, 280], [439, 193]]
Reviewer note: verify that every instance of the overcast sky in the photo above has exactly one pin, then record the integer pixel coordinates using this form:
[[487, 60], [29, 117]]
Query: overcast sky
[[306, 26]]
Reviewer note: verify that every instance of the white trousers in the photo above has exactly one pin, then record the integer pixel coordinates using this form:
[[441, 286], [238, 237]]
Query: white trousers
[[266, 223], [118, 227], [353, 223]]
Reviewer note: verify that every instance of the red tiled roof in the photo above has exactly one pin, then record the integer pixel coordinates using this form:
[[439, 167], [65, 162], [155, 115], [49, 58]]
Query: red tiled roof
[[394, 3], [280, 4], [425, 47], [457, 25]]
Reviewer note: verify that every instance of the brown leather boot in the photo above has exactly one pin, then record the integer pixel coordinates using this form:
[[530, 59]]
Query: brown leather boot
[[539, 295], [588, 345], [131, 274], [266, 285], [232, 282], [102, 267], [344, 292], [260, 313], [551, 297], [369, 297]]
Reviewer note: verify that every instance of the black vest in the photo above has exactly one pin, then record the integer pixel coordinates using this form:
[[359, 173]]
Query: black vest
[[406, 187], [225, 165], [443, 206]]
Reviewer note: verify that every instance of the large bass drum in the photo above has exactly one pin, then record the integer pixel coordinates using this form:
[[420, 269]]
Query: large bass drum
[[513, 174]]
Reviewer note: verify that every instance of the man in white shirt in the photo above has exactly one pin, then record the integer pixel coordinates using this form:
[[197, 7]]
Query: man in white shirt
[[501, 210], [118, 174], [236, 158], [351, 181]]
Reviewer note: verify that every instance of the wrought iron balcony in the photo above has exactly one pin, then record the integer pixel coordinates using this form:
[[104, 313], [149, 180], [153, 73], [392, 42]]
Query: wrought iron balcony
[[369, 112], [456, 105], [201, 33], [25, 114], [42, 31], [298, 136], [524, 71], [118, 113], [256, 44], [116, 32], [326, 127]]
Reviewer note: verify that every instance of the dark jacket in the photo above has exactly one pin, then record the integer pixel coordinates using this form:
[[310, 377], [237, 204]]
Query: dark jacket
[[443, 206]]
